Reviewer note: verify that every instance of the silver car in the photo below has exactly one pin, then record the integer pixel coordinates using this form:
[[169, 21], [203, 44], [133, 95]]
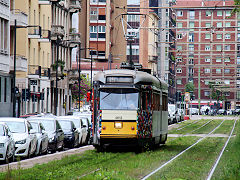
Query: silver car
[[7, 144], [42, 137], [24, 136]]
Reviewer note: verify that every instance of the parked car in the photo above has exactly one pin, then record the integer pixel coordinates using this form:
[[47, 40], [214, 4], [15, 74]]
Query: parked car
[[237, 111], [230, 112], [71, 134], [42, 137], [24, 136], [203, 110], [173, 115], [7, 144], [194, 111], [53, 130], [86, 128], [222, 112], [180, 113]]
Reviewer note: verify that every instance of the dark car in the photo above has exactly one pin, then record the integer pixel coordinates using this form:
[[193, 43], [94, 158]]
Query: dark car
[[237, 111], [71, 137], [54, 131]]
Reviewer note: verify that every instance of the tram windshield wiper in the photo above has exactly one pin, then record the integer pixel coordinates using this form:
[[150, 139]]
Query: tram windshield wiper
[[106, 96]]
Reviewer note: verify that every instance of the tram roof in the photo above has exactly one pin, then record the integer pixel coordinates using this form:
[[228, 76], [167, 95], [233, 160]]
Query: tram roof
[[138, 76]]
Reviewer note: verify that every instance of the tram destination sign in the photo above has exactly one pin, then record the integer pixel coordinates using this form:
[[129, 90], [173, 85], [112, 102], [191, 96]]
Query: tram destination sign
[[119, 79]]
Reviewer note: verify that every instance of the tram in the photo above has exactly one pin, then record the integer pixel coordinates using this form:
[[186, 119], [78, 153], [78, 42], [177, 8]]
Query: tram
[[129, 108]]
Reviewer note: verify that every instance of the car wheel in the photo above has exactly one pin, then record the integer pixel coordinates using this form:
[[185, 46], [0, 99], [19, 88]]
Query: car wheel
[[29, 151]]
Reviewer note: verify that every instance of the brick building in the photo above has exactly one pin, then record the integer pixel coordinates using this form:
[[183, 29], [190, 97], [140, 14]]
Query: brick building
[[207, 49]]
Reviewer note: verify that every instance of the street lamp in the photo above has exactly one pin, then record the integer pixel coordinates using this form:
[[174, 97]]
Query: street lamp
[[14, 62]]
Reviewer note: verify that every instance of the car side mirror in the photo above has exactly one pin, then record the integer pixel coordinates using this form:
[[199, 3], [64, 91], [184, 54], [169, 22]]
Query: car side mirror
[[74, 129]]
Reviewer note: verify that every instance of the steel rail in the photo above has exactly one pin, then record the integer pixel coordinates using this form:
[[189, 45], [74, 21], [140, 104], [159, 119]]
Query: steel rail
[[175, 157], [221, 153]]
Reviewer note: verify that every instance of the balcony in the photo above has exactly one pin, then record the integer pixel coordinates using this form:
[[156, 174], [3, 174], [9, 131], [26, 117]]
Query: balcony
[[74, 39], [74, 6], [57, 30], [21, 17], [46, 36], [44, 2], [153, 59], [34, 70], [34, 32], [21, 63]]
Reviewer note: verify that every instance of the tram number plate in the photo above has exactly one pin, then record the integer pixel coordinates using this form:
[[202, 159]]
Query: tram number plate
[[118, 125]]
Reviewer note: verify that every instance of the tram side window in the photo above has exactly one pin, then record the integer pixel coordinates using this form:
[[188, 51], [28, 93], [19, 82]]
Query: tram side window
[[156, 101], [164, 103]]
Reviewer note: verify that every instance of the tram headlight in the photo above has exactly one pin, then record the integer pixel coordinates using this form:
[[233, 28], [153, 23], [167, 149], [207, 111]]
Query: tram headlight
[[118, 125]]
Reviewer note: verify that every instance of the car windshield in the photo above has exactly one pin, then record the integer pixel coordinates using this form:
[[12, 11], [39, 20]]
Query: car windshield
[[1, 130], [84, 120], [171, 108], [16, 127], [125, 99], [76, 122], [66, 125], [35, 126], [48, 125]]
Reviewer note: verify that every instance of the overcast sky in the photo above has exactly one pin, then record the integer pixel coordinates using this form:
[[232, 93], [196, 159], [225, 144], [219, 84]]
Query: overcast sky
[[135, 2]]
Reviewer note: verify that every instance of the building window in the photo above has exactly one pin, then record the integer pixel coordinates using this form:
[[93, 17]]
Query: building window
[[228, 24], [227, 93], [191, 24], [207, 36], [179, 25], [226, 71], [218, 71], [218, 59], [238, 37], [228, 13], [208, 25], [207, 59], [207, 70], [191, 60], [219, 36], [206, 82], [238, 25], [93, 31], [179, 81], [218, 47], [0, 89], [219, 13], [226, 81], [192, 14], [179, 13], [227, 47], [207, 47], [179, 59], [93, 13], [219, 24], [208, 13], [206, 93], [179, 36], [227, 36], [227, 59], [238, 60], [191, 37], [5, 89], [191, 47], [179, 70], [179, 47]]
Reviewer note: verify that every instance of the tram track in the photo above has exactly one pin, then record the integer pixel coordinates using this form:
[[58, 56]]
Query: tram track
[[179, 154]]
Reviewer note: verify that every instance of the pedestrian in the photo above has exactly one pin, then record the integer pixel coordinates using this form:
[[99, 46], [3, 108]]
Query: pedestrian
[[206, 112]]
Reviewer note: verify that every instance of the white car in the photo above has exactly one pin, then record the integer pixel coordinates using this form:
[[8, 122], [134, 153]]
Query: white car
[[24, 136], [79, 125], [7, 145], [42, 137]]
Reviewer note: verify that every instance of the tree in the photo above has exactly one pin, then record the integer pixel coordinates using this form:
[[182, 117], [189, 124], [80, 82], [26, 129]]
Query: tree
[[85, 86], [216, 93], [189, 87]]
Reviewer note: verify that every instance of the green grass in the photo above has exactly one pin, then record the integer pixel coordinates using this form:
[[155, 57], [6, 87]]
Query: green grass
[[208, 128], [225, 128], [229, 165], [194, 163]]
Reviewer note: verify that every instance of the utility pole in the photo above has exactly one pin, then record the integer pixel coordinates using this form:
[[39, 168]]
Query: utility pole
[[56, 89], [79, 75], [14, 69], [199, 90]]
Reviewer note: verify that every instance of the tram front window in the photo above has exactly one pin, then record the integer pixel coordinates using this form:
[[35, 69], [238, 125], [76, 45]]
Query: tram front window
[[125, 99]]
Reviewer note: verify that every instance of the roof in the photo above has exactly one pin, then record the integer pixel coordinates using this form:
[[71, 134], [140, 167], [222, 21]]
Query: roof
[[201, 4]]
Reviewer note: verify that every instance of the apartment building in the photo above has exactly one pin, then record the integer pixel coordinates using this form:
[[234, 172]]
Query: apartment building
[[207, 37], [5, 78], [101, 30]]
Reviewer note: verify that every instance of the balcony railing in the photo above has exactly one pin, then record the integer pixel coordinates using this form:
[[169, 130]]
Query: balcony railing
[[20, 16], [33, 70], [74, 6], [57, 30], [34, 32], [21, 63], [46, 36]]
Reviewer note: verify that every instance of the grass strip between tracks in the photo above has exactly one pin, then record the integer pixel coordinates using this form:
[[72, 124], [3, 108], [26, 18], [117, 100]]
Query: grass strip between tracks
[[195, 163], [229, 165]]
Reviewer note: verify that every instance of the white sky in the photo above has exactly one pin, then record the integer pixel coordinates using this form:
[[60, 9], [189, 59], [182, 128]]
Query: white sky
[[135, 2]]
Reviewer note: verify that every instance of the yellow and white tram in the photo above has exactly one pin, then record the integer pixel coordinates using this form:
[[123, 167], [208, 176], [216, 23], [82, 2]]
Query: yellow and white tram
[[129, 108]]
